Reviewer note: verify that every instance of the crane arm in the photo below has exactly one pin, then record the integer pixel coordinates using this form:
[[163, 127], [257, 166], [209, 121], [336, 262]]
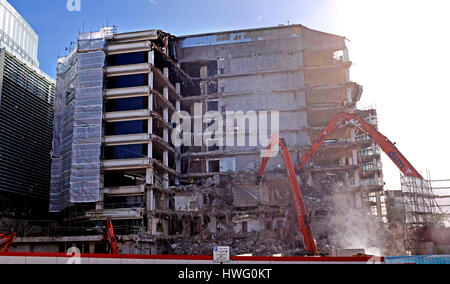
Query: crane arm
[[388, 147], [300, 209]]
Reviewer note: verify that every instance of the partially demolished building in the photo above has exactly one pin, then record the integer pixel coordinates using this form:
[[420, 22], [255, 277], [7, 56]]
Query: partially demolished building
[[113, 156]]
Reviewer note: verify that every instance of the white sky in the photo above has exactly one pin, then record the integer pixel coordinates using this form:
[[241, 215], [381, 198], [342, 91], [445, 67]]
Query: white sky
[[401, 55]]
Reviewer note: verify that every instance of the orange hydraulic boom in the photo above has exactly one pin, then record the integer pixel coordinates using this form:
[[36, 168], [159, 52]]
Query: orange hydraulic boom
[[110, 237], [302, 215]]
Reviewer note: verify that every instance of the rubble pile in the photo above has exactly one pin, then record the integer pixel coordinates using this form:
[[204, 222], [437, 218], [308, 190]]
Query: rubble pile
[[264, 243], [334, 224]]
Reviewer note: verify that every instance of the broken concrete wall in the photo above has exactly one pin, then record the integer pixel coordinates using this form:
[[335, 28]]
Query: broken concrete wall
[[265, 101], [262, 82], [315, 40], [271, 193], [274, 69], [260, 219], [188, 202]]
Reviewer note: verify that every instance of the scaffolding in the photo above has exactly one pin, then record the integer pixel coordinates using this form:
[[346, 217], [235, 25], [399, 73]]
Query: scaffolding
[[420, 209], [442, 190]]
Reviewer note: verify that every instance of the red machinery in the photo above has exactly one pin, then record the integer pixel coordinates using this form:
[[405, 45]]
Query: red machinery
[[302, 215], [6, 241], [110, 237]]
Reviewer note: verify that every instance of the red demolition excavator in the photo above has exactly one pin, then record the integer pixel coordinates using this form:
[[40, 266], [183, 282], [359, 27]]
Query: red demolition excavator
[[340, 119], [6, 241], [110, 237]]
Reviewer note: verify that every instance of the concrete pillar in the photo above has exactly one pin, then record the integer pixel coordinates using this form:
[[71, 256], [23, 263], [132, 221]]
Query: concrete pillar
[[166, 158], [203, 72], [346, 55], [149, 172], [347, 59], [91, 248], [166, 180], [379, 211], [358, 201], [178, 149], [354, 157], [166, 130], [99, 205], [349, 96], [151, 57], [166, 110], [150, 208], [352, 135], [149, 176]]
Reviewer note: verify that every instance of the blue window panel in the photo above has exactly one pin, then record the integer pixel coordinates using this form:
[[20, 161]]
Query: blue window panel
[[126, 127], [127, 104], [128, 58], [127, 81], [125, 152]]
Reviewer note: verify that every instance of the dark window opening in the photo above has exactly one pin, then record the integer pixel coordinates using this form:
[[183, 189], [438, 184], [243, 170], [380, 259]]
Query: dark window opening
[[195, 227], [113, 179], [196, 167], [279, 225], [190, 91], [212, 87], [214, 166], [125, 152], [193, 68], [160, 228], [175, 226], [127, 58], [127, 81], [213, 148], [124, 202], [244, 227], [127, 104], [321, 213], [126, 127], [213, 105], [172, 164]]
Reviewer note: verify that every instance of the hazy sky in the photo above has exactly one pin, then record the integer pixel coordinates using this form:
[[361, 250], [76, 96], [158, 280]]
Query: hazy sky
[[400, 50]]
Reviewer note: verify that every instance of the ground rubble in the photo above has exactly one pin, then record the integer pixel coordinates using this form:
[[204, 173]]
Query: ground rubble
[[321, 197]]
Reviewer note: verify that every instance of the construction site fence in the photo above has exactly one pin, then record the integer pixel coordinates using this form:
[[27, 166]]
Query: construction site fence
[[418, 259], [60, 258]]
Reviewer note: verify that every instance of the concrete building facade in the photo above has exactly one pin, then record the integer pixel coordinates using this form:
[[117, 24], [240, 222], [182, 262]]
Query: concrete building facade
[[303, 74]]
